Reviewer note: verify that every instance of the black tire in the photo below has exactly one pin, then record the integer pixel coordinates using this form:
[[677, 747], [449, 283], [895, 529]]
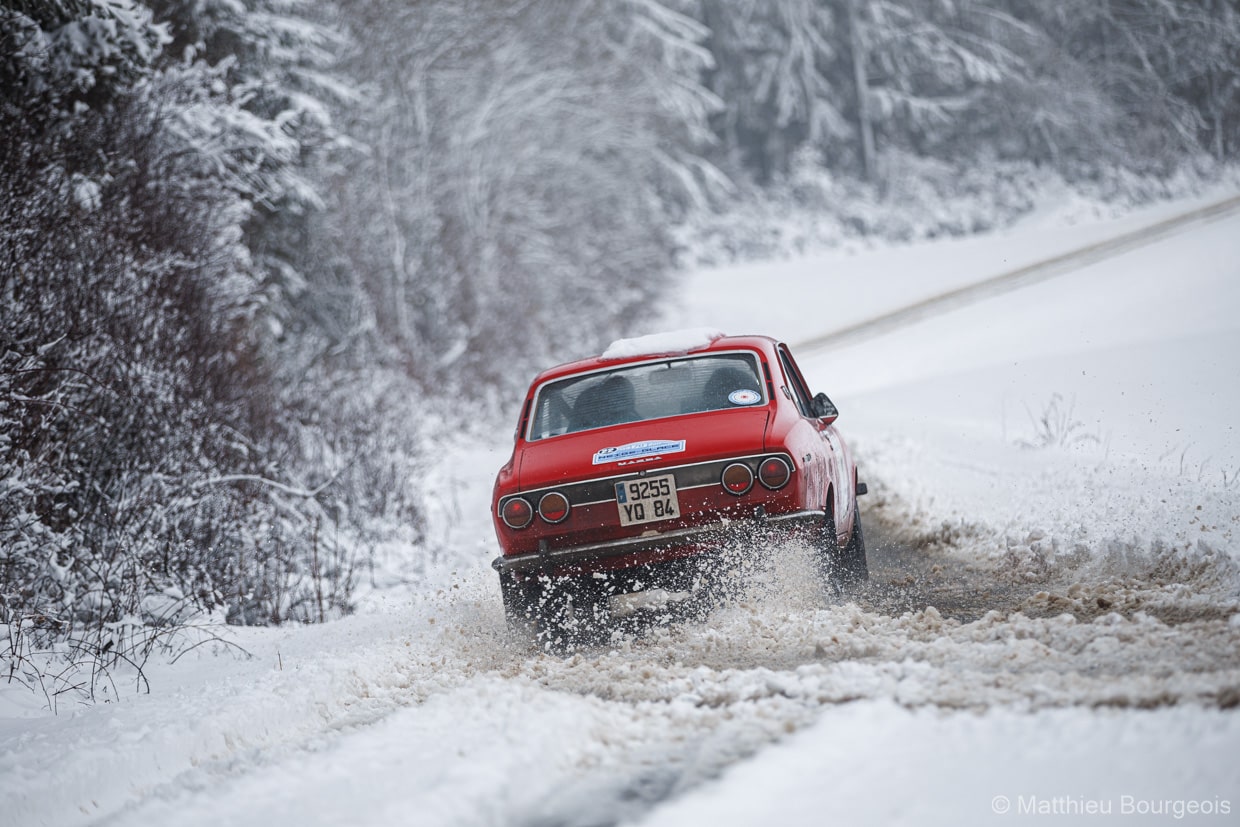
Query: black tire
[[559, 614], [707, 587], [519, 609], [843, 569], [853, 570]]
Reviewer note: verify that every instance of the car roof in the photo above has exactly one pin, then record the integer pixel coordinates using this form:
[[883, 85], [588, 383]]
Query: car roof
[[763, 344]]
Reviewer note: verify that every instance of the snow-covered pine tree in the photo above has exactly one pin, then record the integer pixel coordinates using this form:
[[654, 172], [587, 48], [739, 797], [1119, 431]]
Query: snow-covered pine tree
[[275, 58], [1073, 83], [1165, 70], [771, 69], [930, 67]]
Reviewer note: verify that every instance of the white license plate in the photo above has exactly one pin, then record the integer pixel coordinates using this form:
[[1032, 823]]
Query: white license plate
[[647, 500]]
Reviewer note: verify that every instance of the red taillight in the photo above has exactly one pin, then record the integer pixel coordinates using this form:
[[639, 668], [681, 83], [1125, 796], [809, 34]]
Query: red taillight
[[774, 472], [553, 507], [517, 513], [737, 478]]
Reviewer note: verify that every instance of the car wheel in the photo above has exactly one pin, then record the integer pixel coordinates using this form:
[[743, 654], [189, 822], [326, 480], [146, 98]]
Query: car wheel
[[519, 608], [707, 587], [556, 612], [843, 569], [853, 569]]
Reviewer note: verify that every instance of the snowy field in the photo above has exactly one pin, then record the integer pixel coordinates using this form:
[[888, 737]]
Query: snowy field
[[1052, 629]]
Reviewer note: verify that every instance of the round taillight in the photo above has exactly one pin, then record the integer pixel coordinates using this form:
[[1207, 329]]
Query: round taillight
[[517, 512], [553, 507], [737, 478], [774, 472]]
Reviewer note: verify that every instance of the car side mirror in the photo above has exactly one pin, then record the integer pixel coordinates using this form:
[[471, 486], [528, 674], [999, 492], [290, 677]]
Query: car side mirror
[[822, 407]]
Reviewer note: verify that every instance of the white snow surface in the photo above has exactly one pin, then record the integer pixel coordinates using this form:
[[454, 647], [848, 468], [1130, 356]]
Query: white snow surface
[[671, 341], [1094, 407], [1059, 632], [922, 766]]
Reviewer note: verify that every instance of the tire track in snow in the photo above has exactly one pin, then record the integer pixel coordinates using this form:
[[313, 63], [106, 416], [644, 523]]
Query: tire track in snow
[[476, 728]]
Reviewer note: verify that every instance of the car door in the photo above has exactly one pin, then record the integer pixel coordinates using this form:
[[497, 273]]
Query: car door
[[832, 447]]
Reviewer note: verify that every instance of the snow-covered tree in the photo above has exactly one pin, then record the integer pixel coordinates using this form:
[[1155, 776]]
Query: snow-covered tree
[[1070, 82], [74, 51], [771, 68], [143, 471], [521, 163], [930, 65], [1165, 71], [275, 58]]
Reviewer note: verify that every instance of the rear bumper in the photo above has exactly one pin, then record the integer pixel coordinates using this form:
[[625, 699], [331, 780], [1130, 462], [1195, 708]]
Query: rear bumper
[[546, 559]]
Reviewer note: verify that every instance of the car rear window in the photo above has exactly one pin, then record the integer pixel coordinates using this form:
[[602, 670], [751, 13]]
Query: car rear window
[[650, 390]]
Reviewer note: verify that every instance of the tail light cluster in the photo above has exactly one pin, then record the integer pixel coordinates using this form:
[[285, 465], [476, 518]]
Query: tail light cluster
[[737, 478], [517, 512], [553, 507], [773, 473]]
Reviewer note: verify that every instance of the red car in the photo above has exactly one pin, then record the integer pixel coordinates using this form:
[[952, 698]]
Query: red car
[[634, 469]]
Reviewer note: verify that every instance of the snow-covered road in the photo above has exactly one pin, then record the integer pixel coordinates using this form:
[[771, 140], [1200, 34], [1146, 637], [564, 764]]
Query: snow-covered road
[[1052, 621]]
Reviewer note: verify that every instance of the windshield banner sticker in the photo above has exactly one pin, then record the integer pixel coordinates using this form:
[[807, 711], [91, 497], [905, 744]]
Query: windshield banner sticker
[[634, 450]]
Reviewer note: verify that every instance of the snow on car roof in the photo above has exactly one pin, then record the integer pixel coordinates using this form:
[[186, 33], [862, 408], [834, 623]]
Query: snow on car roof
[[672, 341]]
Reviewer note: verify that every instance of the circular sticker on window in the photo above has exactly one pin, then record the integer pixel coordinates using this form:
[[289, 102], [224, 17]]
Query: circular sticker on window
[[744, 396]]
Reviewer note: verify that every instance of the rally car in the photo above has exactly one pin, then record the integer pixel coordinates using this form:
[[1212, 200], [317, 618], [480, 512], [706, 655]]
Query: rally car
[[632, 470]]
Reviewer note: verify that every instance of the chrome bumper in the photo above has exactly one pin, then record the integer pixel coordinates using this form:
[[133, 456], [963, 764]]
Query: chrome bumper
[[548, 558]]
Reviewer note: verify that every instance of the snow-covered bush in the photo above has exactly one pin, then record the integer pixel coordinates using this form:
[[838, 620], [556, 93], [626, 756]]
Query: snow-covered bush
[[145, 469]]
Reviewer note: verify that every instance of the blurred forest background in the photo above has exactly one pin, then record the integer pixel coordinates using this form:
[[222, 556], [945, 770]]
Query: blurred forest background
[[255, 255]]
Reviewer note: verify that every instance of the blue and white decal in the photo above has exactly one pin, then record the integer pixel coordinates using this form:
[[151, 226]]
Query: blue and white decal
[[744, 396], [636, 450]]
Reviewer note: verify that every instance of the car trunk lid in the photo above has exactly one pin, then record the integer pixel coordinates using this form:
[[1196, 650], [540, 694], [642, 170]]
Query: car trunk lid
[[640, 446]]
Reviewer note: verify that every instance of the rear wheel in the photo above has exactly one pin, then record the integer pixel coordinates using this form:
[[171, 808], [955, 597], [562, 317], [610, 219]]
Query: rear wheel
[[519, 608], [844, 569], [556, 612], [707, 586], [853, 570]]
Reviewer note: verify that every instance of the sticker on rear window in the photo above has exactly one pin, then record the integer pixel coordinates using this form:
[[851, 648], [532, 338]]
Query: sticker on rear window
[[744, 396], [633, 450]]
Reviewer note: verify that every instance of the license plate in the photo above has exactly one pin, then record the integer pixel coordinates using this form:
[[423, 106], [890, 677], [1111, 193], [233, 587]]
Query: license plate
[[647, 500]]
